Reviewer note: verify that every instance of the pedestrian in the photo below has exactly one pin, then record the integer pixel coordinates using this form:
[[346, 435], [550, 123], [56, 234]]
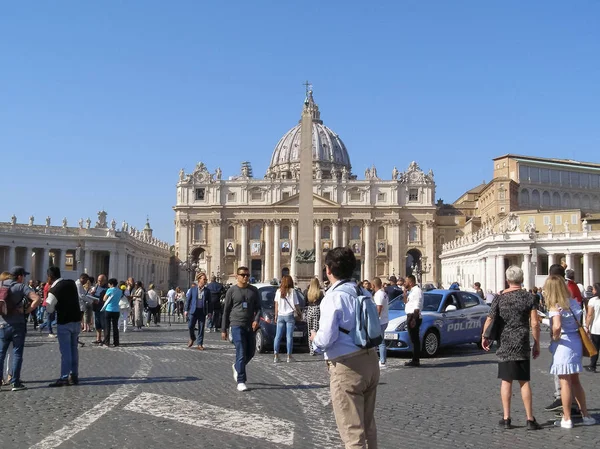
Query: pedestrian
[[82, 293], [382, 303], [314, 296], [34, 315], [171, 294], [88, 313], [566, 348], [489, 297], [366, 284], [413, 300], [242, 312], [63, 298], [515, 308], [49, 317], [153, 301], [196, 305], [478, 290], [112, 312], [286, 304], [138, 305], [353, 371], [12, 325], [180, 301], [214, 305], [593, 324], [572, 286], [98, 292], [124, 305], [393, 290]]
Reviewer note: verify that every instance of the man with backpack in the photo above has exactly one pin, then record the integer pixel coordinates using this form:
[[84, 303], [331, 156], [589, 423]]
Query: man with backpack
[[14, 307], [353, 369]]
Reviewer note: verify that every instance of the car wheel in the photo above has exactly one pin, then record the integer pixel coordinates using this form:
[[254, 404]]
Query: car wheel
[[431, 343], [260, 342]]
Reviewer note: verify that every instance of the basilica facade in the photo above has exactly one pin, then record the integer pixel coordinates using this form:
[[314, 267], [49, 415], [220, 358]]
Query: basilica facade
[[221, 224]]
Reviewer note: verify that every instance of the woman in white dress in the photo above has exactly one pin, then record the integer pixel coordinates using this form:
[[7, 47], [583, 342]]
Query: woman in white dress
[[566, 348], [138, 305]]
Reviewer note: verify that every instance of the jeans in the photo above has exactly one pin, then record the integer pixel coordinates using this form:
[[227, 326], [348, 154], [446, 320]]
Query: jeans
[[124, 317], [111, 320], [15, 334], [245, 345], [171, 308], [197, 317], [67, 342], [214, 317], [382, 346], [596, 341], [152, 312], [50, 318], [40, 313], [285, 322]]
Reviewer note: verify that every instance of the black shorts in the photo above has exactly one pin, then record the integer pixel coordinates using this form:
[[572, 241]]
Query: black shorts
[[514, 370], [99, 320]]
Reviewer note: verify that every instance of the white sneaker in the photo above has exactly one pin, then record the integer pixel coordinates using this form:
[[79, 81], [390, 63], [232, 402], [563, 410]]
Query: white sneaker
[[242, 387], [382, 365], [52, 335], [235, 373], [588, 421], [564, 424]]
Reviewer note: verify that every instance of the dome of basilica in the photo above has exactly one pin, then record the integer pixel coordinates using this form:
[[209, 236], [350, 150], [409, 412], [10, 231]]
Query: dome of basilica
[[330, 157]]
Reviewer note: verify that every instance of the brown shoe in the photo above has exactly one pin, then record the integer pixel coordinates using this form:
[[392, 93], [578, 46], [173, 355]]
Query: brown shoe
[[200, 348], [190, 343]]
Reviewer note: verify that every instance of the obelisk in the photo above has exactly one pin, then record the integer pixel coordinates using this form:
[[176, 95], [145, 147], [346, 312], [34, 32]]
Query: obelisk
[[305, 257]]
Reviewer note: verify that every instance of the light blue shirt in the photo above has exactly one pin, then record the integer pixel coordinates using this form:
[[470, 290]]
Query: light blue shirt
[[338, 309], [111, 299]]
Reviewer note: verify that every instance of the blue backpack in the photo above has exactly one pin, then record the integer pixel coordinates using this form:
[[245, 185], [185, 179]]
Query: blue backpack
[[367, 330]]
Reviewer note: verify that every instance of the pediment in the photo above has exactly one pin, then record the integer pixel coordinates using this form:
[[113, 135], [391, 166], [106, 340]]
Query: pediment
[[318, 201]]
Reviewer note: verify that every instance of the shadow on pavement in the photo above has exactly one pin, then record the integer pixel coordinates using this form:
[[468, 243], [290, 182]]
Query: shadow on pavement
[[264, 386], [91, 381]]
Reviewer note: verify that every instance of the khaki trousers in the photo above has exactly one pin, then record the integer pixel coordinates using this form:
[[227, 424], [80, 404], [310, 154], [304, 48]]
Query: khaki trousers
[[353, 384]]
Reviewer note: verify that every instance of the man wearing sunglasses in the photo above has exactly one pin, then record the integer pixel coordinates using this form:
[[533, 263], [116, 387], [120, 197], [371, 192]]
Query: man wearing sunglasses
[[242, 312]]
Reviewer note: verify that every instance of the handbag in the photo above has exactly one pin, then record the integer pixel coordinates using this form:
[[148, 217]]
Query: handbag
[[494, 330], [588, 348], [297, 314]]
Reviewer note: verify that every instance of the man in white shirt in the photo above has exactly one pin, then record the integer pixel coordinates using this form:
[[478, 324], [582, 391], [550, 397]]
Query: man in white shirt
[[381, 301], [353, 371], [413, 298], [171, 294]]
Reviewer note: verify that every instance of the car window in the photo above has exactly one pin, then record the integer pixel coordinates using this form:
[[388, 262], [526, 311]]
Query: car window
[[451, 300], [469, 300], [396, 304], [431, 302]]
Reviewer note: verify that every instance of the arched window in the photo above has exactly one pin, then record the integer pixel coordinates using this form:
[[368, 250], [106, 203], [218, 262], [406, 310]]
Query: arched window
[[255, 231], [285, 232], [535, 198], [381, 232], [355, 233], [231, 232], [576, 201], [566, 200], [546, 199], [555, 199], [327, 232], [586, 203], [524, 197]]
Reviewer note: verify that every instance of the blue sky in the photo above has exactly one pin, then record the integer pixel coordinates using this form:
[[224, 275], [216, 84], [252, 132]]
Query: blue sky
[[103, 102]]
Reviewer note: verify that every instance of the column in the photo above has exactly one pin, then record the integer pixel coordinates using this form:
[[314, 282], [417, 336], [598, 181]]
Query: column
[[344, 233], [500, 275], [587, 270], [526, 267], [268, 275], [294, 238], [12, 257], [243, 243], [335, 232], [570, 261], [276, 249], [368, 256], [112, 264], [216, 245], [27, 259], [551, 260], [87, 260], [43, 253], [62, 260], [396, 265], [318, 250]]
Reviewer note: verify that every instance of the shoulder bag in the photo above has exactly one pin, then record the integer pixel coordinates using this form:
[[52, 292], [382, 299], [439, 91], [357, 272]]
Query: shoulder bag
[[494, 330], [297, 314], [588, 348]]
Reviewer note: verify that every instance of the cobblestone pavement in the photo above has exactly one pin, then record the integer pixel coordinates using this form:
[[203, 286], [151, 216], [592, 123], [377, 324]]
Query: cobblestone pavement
[[155, 392]]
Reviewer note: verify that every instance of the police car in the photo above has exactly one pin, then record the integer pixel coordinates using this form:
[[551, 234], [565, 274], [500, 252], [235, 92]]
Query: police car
[[450, 317]]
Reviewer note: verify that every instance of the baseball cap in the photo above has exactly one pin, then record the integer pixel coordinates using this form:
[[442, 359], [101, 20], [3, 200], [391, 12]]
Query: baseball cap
[[19, 271]]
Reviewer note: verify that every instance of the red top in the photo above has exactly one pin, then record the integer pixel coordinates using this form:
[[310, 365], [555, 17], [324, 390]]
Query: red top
[[46, 290], [575, 292]]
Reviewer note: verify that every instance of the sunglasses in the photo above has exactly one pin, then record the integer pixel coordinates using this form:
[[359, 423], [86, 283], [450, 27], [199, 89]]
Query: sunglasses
[[245, 275]]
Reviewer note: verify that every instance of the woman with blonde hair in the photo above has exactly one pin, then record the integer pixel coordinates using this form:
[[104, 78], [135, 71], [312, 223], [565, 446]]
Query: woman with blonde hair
[[566, 348], [286, 303], [314, 295]]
